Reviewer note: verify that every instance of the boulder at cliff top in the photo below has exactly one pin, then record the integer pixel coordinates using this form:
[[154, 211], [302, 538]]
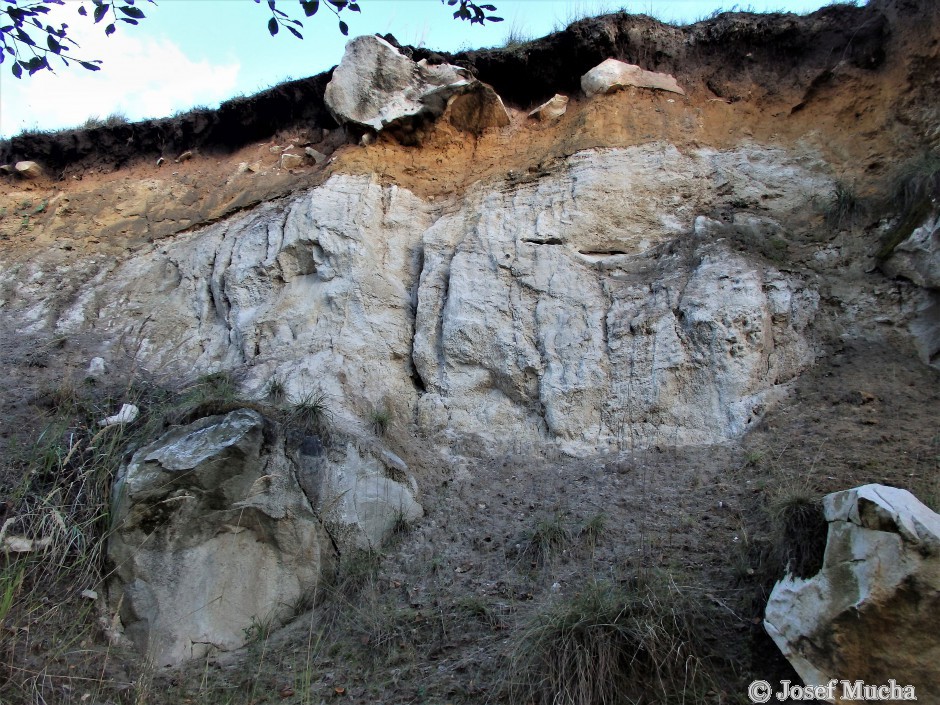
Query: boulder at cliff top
[[871, 613], [375, 86], [212, 535], [28, 170], [611, 75]]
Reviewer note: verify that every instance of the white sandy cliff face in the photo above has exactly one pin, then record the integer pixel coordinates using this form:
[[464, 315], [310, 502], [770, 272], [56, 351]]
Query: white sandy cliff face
[[594, 306]]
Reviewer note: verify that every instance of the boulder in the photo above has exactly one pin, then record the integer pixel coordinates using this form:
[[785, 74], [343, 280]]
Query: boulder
[[611, 75], [551, 109], [918, 257], [28, 170], [375, 86], [358, 500], [212, 536], [871, 613], [477, 109]]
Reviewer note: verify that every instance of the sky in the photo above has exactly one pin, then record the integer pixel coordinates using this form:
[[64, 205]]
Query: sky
[[189, 53]]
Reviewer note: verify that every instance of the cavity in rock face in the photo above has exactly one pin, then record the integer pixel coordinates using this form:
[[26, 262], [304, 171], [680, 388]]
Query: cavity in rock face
[[212, 537], [871, 613]]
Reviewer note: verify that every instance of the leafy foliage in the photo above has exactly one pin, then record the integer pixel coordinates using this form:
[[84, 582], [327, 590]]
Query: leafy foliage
[[30, 42]]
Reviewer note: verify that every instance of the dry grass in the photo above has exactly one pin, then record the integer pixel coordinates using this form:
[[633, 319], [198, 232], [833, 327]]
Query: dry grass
[[611, 643]]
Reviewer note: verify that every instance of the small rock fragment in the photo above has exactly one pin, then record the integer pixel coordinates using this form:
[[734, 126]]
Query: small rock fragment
[[28, 170], [367, 139], [160, 161], [291, 161], [188, 154], [6, 168], [128, 413], [96, 367], [551, 109], [317, 157]]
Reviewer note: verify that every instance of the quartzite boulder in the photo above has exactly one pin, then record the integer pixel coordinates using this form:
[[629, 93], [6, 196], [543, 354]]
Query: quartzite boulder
[[28, 170], [611, 75], [376, 87], [871, 613], [212, 535]]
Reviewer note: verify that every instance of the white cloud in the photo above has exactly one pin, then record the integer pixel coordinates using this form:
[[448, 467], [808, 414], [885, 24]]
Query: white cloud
[[140, 77]]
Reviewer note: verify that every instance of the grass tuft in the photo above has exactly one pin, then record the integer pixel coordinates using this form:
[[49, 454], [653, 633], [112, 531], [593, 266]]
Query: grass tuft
[[610, 644]]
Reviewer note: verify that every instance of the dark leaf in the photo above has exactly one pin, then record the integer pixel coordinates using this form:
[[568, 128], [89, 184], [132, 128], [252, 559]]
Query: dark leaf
[[100, 12], [2, 57], [90, 66], [128, 20], [354, 7], [279, 13], [25, 38], [17, 70], [451, 2], [56, 2], [109, 30], [53, 44], [65, 61], [344, 28], [488, 8], [271, 4], [338, 4], [310, 7], [296, 23], [494, 18], [134, 12], [294, 32], [272, 26], [82, 11]]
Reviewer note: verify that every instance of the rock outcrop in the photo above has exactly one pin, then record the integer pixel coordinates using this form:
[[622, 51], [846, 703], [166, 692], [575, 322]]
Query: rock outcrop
[[612, 75], [212, 538], [871, 613], [590, 308]]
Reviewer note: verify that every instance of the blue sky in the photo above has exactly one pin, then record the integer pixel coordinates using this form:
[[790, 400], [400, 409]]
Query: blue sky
[[201, 52]]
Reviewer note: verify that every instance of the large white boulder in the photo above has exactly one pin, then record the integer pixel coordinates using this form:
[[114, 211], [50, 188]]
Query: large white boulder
[[375, 85], [212, 536], [611, 75], [871, 613], [918, 257]]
